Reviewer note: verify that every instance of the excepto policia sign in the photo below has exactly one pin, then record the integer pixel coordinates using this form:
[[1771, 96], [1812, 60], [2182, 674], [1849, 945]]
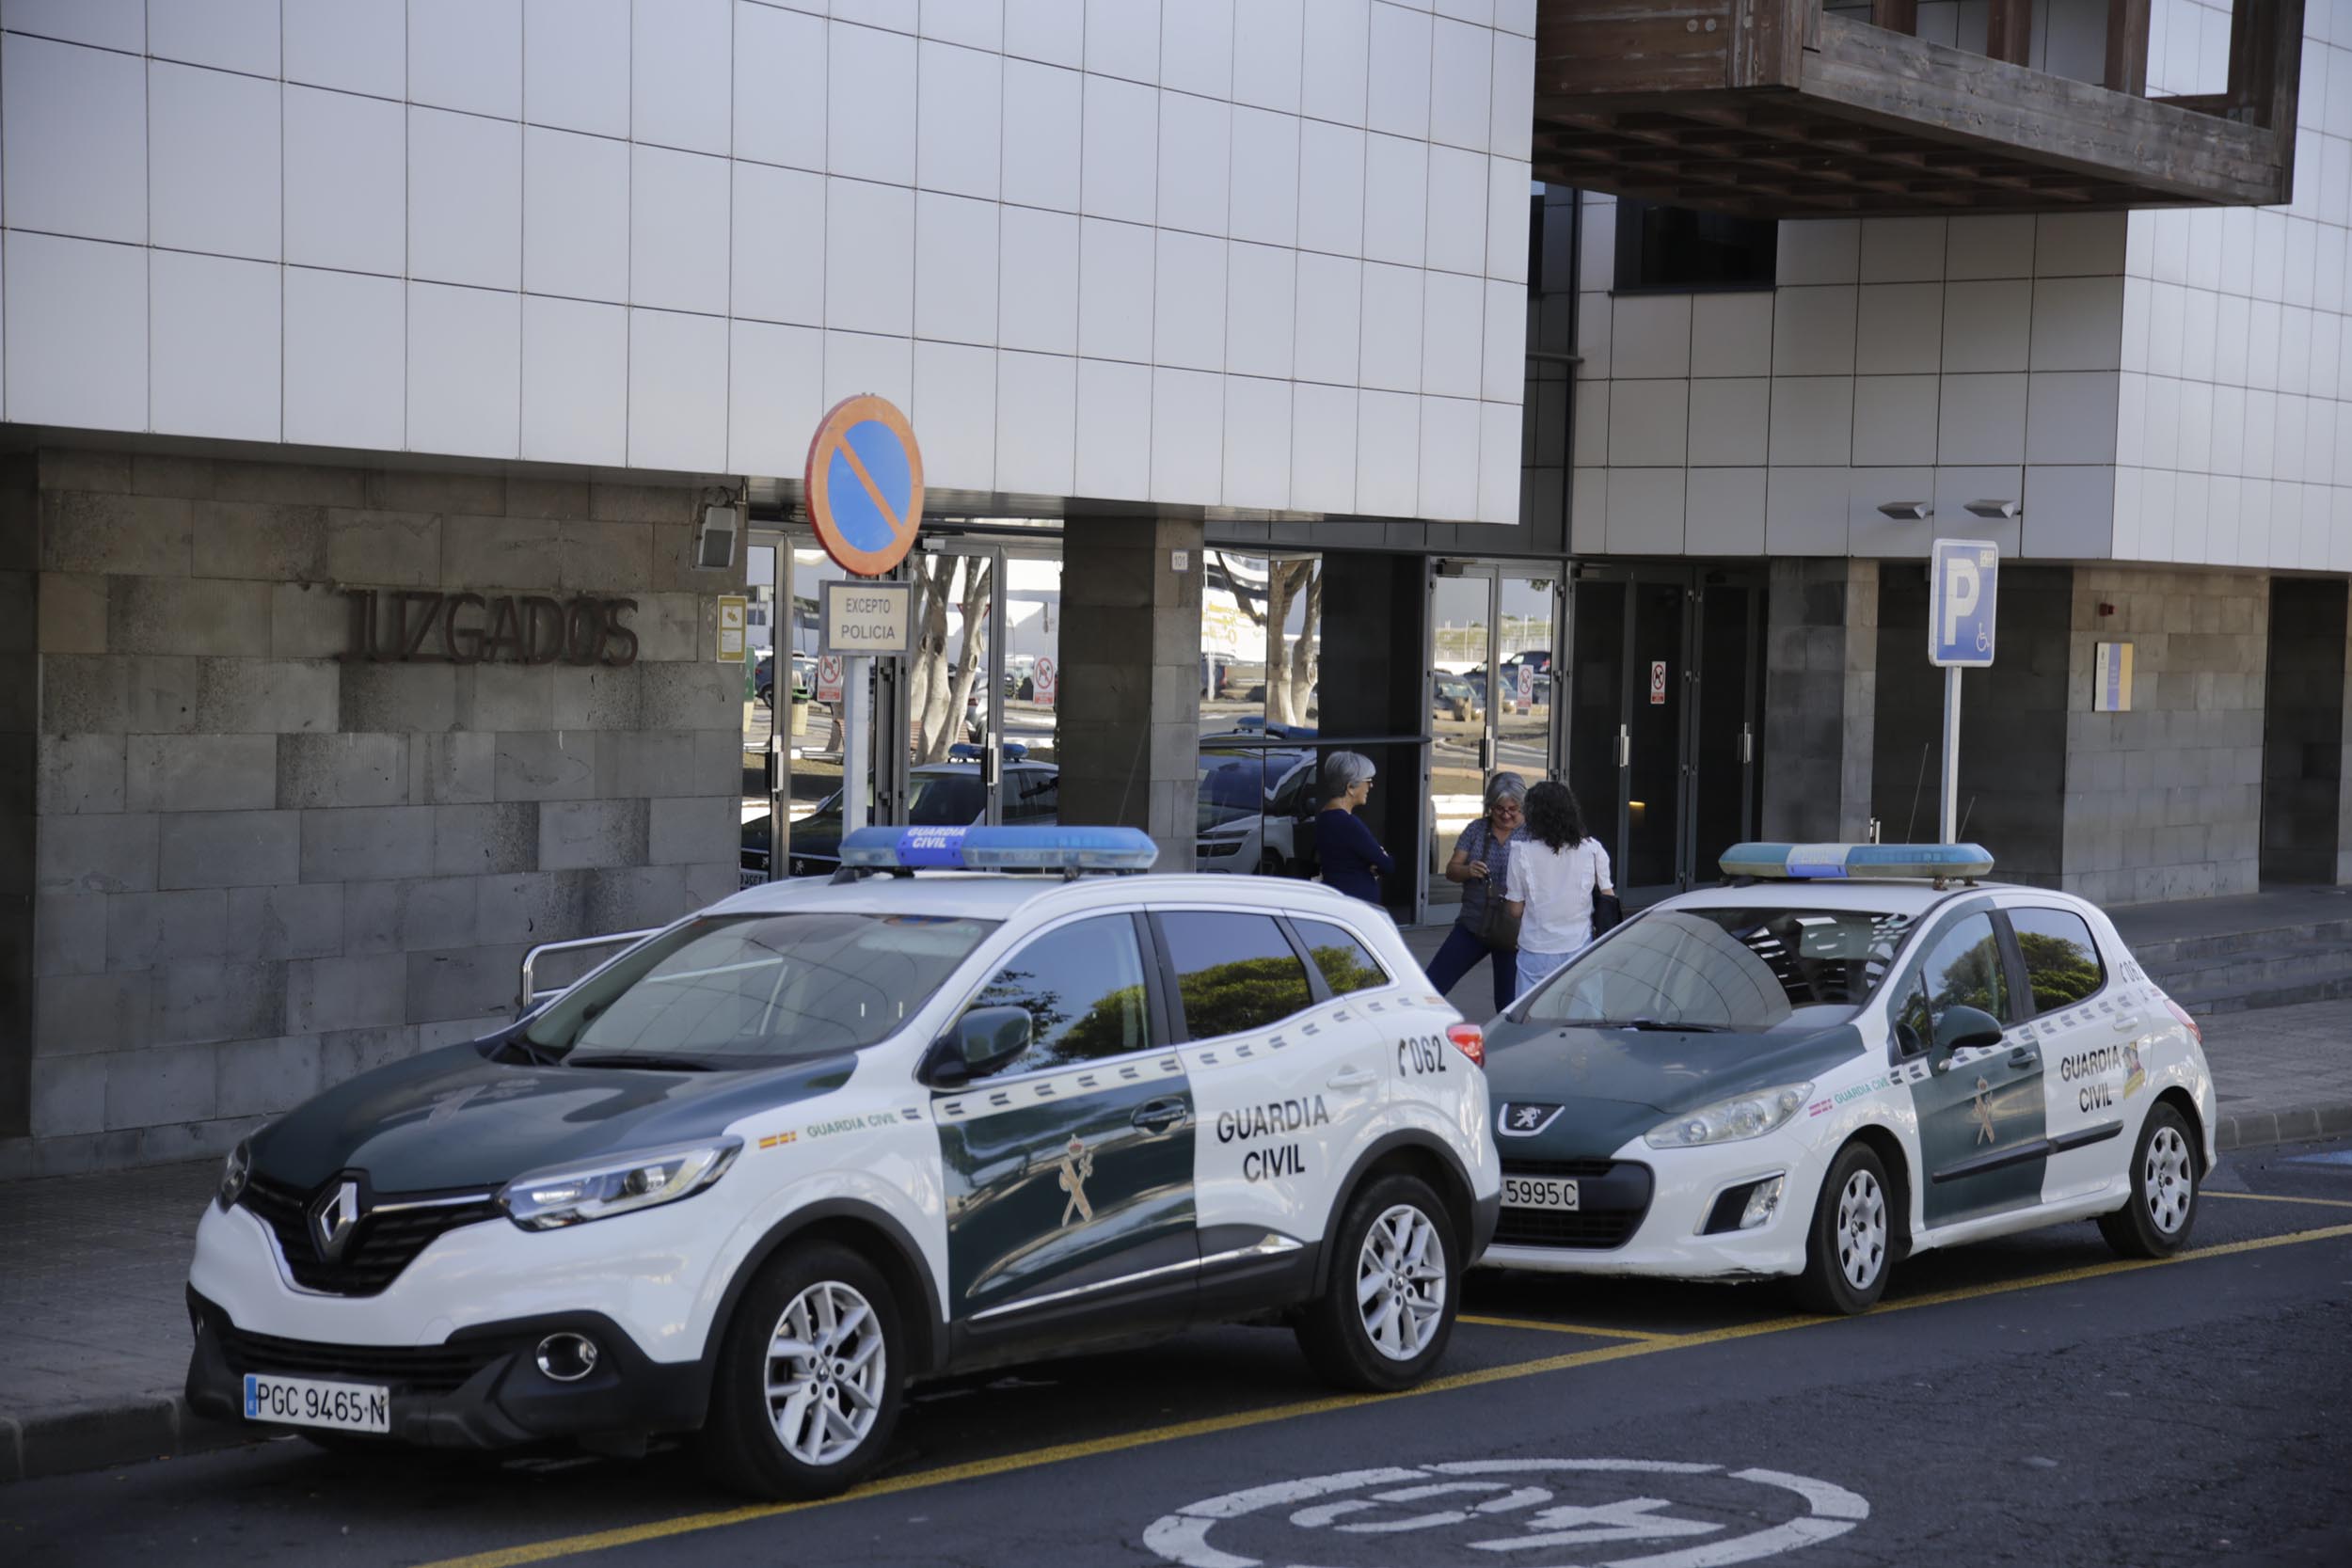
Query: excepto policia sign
[[405, 626]]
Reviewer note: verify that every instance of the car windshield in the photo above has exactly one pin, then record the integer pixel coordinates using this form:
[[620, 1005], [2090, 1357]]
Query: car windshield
[[1739, 970], [947, 800], [757, 991], [1232, 787]]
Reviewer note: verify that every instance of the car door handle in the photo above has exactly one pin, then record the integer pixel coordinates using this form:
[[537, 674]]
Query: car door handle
[[2121, 1024], [2023, 1058], [1353, 1078], [1158, 1116]]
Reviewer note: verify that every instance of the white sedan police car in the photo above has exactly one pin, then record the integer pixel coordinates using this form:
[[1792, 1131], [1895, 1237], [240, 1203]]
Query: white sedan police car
[[1863, 1053], [769, 1165]]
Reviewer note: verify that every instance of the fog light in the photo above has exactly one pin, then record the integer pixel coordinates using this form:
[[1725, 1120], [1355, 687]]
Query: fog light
[[1763, 1203], [567, 1357]]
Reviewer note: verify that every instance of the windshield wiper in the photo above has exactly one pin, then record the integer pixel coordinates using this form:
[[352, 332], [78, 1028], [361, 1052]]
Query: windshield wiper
[[531, 1052], [1651, 1023], [652, 1060]]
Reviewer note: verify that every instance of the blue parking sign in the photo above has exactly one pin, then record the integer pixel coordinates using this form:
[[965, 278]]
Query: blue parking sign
[[1961, 593]]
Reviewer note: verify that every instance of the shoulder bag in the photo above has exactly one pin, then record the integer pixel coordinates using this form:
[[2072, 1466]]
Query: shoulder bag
[[1498, 928], [1607, 912]]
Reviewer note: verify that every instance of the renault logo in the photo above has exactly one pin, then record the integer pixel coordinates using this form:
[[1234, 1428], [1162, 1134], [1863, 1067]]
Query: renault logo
[[332, 1218]]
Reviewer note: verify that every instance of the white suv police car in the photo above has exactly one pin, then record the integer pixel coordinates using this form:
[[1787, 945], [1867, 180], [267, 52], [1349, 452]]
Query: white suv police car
[[764, 1168], [1862, 1054]]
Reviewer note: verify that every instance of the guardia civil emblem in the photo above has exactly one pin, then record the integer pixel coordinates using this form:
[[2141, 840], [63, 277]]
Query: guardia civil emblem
[[1981, 1113], [1076, 1164]]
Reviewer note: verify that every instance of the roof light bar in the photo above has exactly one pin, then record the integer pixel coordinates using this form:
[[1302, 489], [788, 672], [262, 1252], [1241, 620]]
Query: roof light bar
[[1857, 862], [1000, 848]]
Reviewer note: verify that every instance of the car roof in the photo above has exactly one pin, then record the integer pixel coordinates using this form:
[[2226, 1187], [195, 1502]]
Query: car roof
[[983, 897]]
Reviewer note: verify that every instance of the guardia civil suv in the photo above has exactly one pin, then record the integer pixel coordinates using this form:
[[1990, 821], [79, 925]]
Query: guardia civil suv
[[772, 1164]]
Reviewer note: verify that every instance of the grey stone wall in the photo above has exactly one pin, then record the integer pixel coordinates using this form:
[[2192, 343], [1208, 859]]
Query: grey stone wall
[[19, 727], [2165, 801], [260, 868], [1821, 695]]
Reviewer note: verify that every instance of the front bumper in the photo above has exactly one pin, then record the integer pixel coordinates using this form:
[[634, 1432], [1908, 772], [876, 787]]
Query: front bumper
[[1667, 1240], [481, 1389]]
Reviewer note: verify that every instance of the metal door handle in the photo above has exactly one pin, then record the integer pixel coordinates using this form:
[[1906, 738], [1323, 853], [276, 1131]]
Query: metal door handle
[[1487, 754], [1352, 1078], [2022, 1058], [1158, 1116], [2123, 1023], [1625, 746]]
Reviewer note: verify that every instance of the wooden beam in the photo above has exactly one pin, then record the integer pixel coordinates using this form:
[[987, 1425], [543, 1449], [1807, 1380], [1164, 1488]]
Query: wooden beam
[[2127, 47], [1895, 16], [2009, 31]]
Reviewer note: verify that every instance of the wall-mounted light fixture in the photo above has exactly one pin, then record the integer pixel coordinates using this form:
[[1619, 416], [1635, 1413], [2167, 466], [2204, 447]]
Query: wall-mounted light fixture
[[1908, 511], [1994, 509]]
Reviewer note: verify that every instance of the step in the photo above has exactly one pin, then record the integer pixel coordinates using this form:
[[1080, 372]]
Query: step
[[2160, 954], [2316, 960], [2207, 1002]]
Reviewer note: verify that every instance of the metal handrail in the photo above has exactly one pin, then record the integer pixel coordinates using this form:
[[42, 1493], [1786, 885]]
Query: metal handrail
[[530, 997]]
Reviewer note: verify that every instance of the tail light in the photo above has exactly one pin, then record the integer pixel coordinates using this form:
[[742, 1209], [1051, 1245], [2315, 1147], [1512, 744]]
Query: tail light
[[1470, 1040], [2187, 1022]]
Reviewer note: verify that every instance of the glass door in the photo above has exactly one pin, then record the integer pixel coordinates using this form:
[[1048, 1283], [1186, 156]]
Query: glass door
[[955, 702], [1726, 722], [1461, 717], [1655, 720]]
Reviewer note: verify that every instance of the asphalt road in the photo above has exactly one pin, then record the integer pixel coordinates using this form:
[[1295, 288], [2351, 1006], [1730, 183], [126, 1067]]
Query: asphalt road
[[2025, 1401]]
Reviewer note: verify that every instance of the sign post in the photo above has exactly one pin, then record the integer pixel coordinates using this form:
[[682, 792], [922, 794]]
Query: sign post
[[1963, 593]]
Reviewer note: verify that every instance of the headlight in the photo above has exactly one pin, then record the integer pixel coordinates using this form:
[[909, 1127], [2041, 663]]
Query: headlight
[[235, 1174], [1728, 1122], [568, 1194]]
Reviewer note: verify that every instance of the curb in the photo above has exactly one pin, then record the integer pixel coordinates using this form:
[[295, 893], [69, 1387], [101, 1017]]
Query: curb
[[98, 1436], [2263, 1128]]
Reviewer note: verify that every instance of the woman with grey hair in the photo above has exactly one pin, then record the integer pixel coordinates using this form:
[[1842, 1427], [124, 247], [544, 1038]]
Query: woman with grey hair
[[1481, 865], [1353, 861]]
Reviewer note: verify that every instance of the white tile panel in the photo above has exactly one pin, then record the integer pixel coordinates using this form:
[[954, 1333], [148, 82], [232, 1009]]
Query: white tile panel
[[2171, 235], [1872, 532], [1268, 63], [347, 359], [2294, 349], [679, 62], [1723, 511], [1037, 281], [2078, 324], [575, 381], [779, 86], [2131, 421], [1731, 334], [1461, 85], [2228, 445], [1730, 421], [351, 45], [1596, 316], [775, 396], [1597, 248], [869, 257], [464, 200], [1188, 302], [1812, 420], [2224, 501], [1588, 512], [2328, 271], [1902, 250], [214, 330], [576, 64], [2232, 341], [2262, 343], [1257, 444], [2069, 513], [1040, 136], [1323, 447], [1823, 250], [679, 244], [955, 283], [1503, 370], [973, 23], [1456, 237], [1388, 453], [1196, 47], [74, 140], [1123, 38], [861, 362], [2288, 429], [1196, 157], [1453, 335], [2237, 250], [2200, 326], [1115, 273], [961, 112], [1338, 41], [2076, 245], [1813, 330], [2071, 415], [1330, 188], [1113, 418], [465, 371], [898, 16], [1805, 511], [677, 391], [1589, 426], [2258, 459], [346, 182], [1330, 308], [1650, 336], [1507, 204], [1396, 200], [1991, 247], [2326, 354], [1517, 16], [107, 24], [1899, 328], [1037, 419], [870, 106], [1449, 459], [1391, 333], [1645, 510], [1511, 131], [467, 54], [1988, 325], [2205, 226], [1397, 100], [2168, 309], [231, 35], [2270, 254], [1120, 172], [1499, 462], [1648, 423], [779, 243], [1264, 193], [575, 214], [1981, 419], [955, 412], [1261, 294], [1955, 487], [1052, 31], [1894, 419]]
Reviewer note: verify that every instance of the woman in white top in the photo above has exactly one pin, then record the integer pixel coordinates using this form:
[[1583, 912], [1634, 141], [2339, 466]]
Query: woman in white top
[[1556, 872]]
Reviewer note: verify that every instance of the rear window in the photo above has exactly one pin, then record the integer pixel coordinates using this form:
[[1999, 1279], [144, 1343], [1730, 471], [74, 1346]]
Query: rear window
[[2061, 959], [1234, 973], [1744, 970], [1347, 964]]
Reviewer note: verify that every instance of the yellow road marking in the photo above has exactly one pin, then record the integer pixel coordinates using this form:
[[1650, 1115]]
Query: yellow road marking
[[2275, 1197], [598, 1540], [1565, 1328]]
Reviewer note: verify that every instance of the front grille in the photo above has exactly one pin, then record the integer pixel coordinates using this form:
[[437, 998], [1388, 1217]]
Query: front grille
[[412, 1368], [1613, 1196], [381, 1245]]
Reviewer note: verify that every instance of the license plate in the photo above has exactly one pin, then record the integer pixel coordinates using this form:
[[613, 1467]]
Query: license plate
[[304, 1401], [1538, 1191]]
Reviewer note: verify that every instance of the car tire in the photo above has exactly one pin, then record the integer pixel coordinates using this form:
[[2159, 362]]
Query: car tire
[[2163, 1206], [1382, 1245], [1850, 1244], [834, 1423]]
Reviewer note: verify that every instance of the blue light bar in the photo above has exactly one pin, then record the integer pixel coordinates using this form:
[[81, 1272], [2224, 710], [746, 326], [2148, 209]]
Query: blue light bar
[[987, 848], [1858, 862]]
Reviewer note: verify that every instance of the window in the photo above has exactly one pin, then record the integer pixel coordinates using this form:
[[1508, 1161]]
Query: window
[[1961, 970], [1082, 987], [1345, 964], [1676, 247], [2061, 960], [1032, 795], [1733, 968], [1235, 972]]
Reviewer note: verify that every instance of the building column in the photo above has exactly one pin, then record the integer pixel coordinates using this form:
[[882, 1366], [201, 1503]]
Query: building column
[[20, 723], [1820, 697], [1129, 734]]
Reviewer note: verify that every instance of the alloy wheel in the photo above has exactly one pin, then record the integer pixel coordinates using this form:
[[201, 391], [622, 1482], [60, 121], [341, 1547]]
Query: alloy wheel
[[2167, 1180], [826, 1372], [1399, 1282], [1861, 1230]]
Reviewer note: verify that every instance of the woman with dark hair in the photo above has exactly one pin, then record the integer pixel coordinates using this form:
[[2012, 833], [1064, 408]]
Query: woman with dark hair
[[1481, 865], [1557, 874]]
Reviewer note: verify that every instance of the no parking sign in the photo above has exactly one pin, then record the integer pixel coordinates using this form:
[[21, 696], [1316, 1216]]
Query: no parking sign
[[1046, 681]]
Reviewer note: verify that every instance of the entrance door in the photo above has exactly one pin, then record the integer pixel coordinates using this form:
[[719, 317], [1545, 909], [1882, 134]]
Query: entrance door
[[984, 685], [1491, 708]]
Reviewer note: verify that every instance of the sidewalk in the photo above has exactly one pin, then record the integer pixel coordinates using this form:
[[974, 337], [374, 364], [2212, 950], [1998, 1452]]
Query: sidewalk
[[95, 1341]]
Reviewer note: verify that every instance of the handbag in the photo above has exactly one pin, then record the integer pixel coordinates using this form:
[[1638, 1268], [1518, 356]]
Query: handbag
[[1607, 912], [1498, 927]]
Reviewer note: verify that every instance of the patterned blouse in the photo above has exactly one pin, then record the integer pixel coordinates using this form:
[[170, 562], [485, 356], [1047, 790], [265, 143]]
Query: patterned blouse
[[1478, 842]]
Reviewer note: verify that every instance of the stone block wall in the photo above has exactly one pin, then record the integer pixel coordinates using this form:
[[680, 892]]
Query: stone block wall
[[2165, 801], [1820, 697], [260, 867]]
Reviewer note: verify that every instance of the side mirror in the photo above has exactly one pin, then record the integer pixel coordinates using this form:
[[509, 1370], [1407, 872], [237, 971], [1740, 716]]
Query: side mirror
[[1965, 1027], [981, 1041]]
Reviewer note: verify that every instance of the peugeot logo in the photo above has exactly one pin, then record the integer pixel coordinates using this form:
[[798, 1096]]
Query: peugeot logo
[[332, 1218]]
